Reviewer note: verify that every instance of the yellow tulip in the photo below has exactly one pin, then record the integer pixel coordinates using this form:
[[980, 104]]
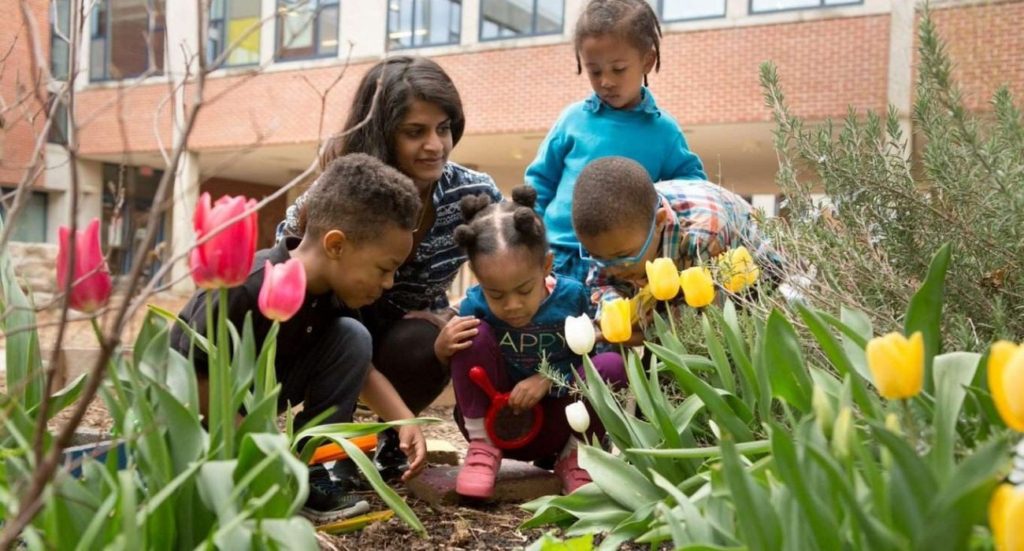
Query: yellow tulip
[[698, 287], [738, 269], [897, 364], [663, 278], [1006, 382], [1006, 517], [615, 320]]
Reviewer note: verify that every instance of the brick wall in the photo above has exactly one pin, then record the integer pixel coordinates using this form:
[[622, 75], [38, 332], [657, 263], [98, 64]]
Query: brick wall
[[987, 48], [706, 77], [21, 120]]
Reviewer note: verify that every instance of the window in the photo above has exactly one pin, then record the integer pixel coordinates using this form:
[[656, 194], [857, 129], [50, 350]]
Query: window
[[31, 223], [417, 23], [307, 28], [684, 10], [60, 31], [59, 128], [128, 194], [511, 18], [768, 6], [230, 20], [123, 36]]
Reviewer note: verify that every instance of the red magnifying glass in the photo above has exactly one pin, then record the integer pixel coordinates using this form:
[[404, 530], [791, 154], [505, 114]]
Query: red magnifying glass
[[507, 429]]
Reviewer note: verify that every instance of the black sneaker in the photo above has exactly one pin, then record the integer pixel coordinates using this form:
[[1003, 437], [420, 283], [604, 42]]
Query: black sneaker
[[390, 460], [348, 477], [327, 502]]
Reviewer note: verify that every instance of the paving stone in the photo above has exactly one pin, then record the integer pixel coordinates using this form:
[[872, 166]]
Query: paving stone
[[518, 482], [441, 452]]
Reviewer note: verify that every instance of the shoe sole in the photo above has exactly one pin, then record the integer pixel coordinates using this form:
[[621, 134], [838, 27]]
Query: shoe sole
[[322, 517]]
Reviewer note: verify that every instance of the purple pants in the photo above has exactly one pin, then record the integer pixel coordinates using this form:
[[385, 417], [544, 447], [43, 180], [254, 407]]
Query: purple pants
[[472, 401]]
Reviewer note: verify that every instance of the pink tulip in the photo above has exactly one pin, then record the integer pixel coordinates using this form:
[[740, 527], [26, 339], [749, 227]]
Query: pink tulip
[[90, 277], [226, 259], [283, 290]]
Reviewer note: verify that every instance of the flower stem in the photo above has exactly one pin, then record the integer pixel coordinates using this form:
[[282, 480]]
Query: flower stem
[[225, 399]]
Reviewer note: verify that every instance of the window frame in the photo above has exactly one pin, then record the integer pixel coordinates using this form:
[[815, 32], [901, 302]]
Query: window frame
[[158, 26], [821, 6], [661, 13], [224, 20], [34, 193], [55, 38], [279, 32], [533, 25], [414, 46]]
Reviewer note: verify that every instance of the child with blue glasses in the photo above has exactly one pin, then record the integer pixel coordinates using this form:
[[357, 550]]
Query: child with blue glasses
[[623, 220], [617, 43]]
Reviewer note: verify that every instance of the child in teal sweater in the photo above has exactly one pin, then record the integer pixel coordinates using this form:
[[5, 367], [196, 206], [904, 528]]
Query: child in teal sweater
[[618, 43]]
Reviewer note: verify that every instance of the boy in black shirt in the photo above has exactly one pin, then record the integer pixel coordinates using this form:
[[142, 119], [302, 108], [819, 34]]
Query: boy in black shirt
[[360, 215]]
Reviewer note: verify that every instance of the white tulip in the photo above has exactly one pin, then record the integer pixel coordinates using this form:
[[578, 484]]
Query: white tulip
[[579, 334], [578, 417]]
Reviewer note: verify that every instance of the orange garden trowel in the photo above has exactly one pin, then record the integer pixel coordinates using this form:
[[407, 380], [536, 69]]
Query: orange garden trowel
[[334, 452]]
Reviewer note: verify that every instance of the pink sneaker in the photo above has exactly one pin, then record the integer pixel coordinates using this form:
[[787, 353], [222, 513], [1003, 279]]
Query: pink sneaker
[[573, 476], [479, 471]]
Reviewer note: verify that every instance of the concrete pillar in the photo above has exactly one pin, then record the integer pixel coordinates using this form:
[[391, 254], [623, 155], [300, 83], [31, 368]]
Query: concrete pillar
[[736, 9], [365, 24], [183, 35], [573, 8], [900, 89], [186, 195], [470, 30]]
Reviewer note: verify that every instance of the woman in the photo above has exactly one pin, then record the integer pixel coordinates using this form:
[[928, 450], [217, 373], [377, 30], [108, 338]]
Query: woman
[[416, 122]]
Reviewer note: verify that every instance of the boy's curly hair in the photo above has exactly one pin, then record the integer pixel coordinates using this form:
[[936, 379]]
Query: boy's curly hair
[[359, 195], [632, 20], [612, 193], [493, 227]]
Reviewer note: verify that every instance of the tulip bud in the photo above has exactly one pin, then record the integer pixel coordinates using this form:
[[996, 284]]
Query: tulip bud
[[842, 433], [578, 416], [824, 414], [579, 334], [698, 286], [224, 260], [90, 278], [1006, 382], [615, 320], [897, 364], [663, 278], [283, 290]]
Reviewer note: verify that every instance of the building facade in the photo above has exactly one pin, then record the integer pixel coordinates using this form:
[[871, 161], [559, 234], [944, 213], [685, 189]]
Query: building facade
[[293, 66]]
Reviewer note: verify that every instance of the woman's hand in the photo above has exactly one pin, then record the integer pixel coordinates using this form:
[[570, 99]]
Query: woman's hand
[[528, 392], [456, 335]]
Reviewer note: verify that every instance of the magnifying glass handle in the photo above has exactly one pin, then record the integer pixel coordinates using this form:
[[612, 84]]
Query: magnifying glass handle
[[479, 376]]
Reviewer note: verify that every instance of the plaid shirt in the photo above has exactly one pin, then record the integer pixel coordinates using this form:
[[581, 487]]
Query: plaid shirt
[[422, 282], [704, 221]]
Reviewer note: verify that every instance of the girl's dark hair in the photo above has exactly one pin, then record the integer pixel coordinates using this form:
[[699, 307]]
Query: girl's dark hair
[[491, 227], [402, 79], [632, 20]]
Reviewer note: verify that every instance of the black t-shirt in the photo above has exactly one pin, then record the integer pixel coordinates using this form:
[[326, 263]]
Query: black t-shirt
[[295, 336]]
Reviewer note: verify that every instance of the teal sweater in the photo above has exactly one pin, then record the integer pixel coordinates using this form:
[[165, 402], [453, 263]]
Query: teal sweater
[[589, 130]]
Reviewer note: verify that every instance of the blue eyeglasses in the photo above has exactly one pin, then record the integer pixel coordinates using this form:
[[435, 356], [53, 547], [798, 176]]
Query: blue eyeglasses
[[624, 261]]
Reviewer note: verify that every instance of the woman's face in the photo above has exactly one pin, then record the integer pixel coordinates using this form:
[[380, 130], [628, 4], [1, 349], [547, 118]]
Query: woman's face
[[422, 143]]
